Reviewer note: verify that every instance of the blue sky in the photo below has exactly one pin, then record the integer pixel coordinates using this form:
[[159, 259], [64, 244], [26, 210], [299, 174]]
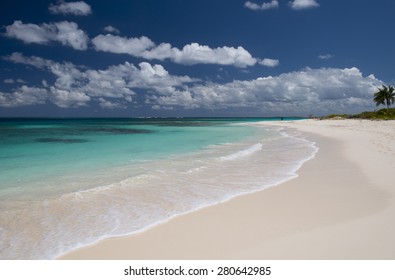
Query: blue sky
[[142, 58]]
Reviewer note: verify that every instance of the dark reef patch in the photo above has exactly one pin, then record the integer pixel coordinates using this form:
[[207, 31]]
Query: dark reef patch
[[114, 130], [61, 140]]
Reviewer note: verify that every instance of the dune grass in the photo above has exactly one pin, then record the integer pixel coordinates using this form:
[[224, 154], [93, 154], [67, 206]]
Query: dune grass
[[382, 114]]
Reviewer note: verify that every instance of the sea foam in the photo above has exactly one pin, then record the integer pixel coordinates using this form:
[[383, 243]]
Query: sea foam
[[243, 153], [131, 198]]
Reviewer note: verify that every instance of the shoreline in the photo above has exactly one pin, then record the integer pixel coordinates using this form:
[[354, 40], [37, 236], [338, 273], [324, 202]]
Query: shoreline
[[337, 208]]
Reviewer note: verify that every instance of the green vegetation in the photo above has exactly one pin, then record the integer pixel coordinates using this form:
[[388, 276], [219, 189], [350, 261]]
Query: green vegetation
[[382, 114], [384, 96], [337, 116]]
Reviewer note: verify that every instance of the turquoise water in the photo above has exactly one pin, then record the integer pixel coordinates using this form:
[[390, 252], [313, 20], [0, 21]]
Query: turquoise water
[[65, 183], [34, 151]]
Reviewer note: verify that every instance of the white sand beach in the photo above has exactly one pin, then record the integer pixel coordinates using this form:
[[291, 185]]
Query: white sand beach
[[341, 206]]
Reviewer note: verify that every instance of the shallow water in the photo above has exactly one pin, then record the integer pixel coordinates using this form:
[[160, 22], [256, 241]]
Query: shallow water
[[69, 183]]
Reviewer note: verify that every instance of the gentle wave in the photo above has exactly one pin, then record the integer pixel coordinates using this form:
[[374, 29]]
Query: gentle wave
[[155, 192], [244, 153]]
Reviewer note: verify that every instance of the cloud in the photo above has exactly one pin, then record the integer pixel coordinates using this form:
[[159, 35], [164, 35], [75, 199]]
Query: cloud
[[24, 96], [117, 44], [9, 81], [35, 61], [156, 77], [303, 4], [190, 54], [76, 86], [79, 8], [264, 6], [31, 33], [69, 35], [195, 54], [65, 32], [295, 4], [317, 91], [12, 81], [308, 91], [111, 29], [325, 56], [106, 104], [67, 98], [268, 62]]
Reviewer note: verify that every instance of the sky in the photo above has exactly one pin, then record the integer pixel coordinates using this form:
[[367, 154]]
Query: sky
[[193, 58]]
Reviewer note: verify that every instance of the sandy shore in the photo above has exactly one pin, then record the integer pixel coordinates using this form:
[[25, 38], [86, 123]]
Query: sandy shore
[[342, 206]]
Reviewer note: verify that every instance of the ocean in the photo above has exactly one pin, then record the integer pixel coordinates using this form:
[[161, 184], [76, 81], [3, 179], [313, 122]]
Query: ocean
[[67, 183]]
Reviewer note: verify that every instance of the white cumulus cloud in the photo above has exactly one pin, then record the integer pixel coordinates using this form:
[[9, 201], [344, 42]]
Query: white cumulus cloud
[[75, 86], [269, 62], [69, 35], [195, 54], [35, 61], [264, 6], [317, 91], [303, 4], [190, 54], [78, 8], [117, 44], [111, 29], [30, 33], [65, 32], [67, 98], [24, 96], [107, 104], [308, 91]]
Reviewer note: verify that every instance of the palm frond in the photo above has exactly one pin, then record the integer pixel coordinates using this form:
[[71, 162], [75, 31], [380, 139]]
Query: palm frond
[[384, 96]]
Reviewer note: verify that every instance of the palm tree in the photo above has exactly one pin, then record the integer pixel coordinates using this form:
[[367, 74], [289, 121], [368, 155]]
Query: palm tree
[[385, 96]]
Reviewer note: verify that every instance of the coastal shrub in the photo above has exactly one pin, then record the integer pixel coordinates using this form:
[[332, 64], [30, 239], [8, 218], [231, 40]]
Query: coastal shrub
[[382, 114], [337, 116]]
